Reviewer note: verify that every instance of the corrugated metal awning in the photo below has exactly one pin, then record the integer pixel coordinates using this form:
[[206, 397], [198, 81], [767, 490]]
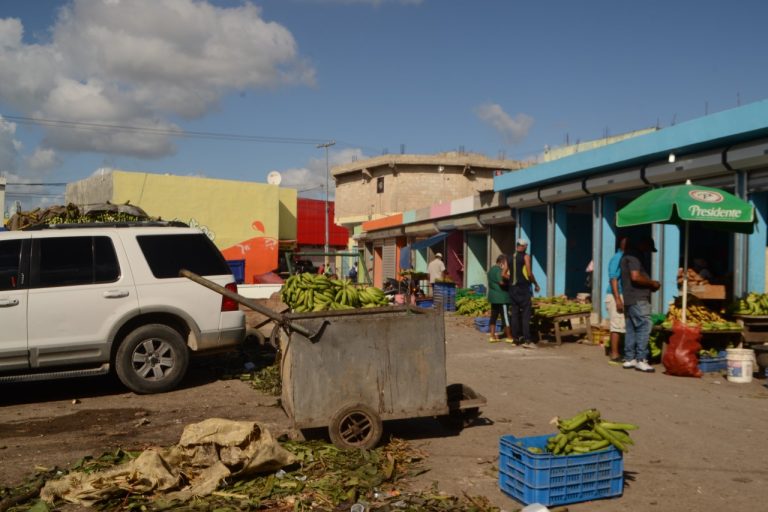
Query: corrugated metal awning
[[469, 222], [382, 233]]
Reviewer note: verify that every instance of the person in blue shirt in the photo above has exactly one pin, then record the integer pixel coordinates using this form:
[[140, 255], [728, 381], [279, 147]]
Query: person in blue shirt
[[614, 302]]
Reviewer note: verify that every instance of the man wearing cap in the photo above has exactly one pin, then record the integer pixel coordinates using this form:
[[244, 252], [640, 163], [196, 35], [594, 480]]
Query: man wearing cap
[[436, 268], [520, 279], [637, 286]]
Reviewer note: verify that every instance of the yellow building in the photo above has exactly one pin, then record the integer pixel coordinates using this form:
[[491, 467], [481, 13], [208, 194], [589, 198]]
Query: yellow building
[[246, 220]]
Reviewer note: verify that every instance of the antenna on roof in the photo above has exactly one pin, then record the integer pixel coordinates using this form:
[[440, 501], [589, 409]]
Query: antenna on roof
[[402, 149], [738, 99], [674, 119]]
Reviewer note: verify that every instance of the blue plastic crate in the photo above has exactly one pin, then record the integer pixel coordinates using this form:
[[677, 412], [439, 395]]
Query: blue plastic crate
[[713, 364], [445, 294], [479, 289], [483, 324], [557, 479]]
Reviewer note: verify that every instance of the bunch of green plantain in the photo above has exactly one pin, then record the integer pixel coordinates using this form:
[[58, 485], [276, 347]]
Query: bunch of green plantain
[[588, 432], [754, 304], [316, 292], [549, 307], [472, 306]]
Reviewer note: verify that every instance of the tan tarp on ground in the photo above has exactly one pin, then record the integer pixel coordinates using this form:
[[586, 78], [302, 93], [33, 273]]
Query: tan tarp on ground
[[207, 453]]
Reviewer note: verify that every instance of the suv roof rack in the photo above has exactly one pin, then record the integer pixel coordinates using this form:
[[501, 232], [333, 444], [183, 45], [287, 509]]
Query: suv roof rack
[[131, 224]]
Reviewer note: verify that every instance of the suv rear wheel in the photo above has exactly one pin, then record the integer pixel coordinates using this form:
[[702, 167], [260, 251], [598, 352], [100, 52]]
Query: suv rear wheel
[[152, 359]]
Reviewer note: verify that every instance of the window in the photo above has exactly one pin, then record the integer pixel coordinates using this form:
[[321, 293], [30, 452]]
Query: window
[[167, 254], [10, 254], [380, 185], [73, 261]]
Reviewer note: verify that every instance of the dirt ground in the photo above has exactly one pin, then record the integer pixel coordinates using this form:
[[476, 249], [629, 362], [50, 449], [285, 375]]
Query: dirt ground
[[701, 443]]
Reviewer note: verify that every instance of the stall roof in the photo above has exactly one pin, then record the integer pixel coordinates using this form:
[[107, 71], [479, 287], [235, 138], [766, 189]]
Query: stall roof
[[723, 128], [429, 242]]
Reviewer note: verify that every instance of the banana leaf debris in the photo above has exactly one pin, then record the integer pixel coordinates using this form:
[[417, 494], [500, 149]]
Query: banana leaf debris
[[223, 465]]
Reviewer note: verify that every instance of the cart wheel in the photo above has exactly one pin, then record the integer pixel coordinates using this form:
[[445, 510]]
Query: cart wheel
[[355, 426]]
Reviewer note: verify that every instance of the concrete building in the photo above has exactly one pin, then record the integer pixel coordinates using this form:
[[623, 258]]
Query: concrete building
[[567, 207], [557, 152], [390, 184], [245, 220]]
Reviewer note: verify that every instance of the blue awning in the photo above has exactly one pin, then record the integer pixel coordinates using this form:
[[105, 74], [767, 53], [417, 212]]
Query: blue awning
[[429, 242]]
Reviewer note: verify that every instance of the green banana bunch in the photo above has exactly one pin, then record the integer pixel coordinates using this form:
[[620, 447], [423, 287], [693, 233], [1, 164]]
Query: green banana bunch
[[472, 306], [316, 292], [588, 432], [754, 304], [371, 297]]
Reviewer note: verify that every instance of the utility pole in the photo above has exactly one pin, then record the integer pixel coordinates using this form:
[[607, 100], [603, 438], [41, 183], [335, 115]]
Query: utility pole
[[327, 204]]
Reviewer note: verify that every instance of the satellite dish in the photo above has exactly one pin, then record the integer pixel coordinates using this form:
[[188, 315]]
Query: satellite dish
[[274, 178]]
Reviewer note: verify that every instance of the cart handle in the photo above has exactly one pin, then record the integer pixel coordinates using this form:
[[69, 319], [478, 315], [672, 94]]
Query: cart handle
[[278, 318]]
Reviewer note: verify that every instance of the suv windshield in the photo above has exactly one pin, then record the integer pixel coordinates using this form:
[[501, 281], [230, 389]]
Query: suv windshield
[[167, 254]]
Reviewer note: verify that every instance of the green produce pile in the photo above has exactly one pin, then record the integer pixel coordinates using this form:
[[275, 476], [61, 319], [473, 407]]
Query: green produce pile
[[711, 353], [316, 292], [754, 304], [324, 479], [587, 432], [699, 315], [472, 306], [71, 214], [549, 307]]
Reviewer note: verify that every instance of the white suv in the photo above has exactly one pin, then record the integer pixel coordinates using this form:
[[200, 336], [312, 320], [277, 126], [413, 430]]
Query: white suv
[[78, 300]]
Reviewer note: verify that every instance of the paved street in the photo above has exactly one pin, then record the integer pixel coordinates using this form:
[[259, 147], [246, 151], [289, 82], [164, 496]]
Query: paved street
[[701, 443]]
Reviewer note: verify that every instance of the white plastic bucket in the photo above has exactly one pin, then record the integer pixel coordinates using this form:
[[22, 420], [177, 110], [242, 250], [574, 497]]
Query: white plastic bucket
[[740, 364]]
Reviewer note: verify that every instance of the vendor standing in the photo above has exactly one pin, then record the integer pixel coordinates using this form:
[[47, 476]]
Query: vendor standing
[[498, 296], [436, 268], [520, 279], [637, 286], [614, 302]]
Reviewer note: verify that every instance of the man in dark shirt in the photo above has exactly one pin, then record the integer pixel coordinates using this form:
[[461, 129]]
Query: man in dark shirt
[[520, 279], [637, 287]]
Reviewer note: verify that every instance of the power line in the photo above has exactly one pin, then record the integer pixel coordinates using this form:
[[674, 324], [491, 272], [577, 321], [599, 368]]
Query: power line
[[235, 137], [22, 184], [31, 194]]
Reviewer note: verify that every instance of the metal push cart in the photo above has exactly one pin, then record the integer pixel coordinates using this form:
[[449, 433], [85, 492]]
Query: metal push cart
[[349, 370]]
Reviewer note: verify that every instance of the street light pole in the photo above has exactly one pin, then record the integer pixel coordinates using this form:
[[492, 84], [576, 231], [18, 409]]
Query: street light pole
[[327, 206]]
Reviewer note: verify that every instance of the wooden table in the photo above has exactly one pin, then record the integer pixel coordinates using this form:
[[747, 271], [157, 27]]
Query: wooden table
[[755, 328], [578, 323]]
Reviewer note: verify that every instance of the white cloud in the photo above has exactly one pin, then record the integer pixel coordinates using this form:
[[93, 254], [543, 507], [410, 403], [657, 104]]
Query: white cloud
[[513, 129], [311, 179], [9, 146], [138, 62], [43, 159]]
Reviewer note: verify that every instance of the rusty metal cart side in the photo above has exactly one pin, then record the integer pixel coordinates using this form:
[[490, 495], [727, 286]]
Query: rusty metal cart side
[[348, 371]]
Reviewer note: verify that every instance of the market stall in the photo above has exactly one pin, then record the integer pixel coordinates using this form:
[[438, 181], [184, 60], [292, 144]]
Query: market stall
[[559, 317]]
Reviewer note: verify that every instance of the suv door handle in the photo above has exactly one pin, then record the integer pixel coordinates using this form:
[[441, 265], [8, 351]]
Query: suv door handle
[[115, 294], [8, 303]]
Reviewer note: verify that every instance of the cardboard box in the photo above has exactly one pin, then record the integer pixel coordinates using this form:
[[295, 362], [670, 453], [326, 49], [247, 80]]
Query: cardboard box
[[707, 291]]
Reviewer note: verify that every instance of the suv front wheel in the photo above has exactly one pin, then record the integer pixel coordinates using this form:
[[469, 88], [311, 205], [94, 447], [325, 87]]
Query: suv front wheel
[[152, 359]]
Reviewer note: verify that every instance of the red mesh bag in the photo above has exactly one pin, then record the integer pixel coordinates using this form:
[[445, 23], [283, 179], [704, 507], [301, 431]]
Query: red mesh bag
[[680, 357]]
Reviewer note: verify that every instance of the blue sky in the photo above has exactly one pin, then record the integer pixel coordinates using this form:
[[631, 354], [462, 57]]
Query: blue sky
[[433, 75]]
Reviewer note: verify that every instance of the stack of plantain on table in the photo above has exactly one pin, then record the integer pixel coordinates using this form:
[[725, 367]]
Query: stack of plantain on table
[[316, 292], [588, 432]]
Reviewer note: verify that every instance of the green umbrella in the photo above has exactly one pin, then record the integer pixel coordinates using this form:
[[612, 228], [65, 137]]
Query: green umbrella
[[682, 204]]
